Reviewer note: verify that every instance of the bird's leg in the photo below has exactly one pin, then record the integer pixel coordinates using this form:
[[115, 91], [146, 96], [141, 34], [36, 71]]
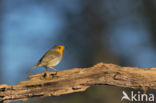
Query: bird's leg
[[54, 70], [47, 74]]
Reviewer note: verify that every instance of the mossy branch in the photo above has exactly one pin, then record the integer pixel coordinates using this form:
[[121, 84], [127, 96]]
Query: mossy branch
[[78, 80]]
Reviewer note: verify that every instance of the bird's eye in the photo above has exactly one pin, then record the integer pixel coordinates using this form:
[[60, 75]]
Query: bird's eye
[[59, 47]]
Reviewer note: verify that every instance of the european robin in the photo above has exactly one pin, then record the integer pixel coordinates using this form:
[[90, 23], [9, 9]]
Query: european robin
[[51, 58]]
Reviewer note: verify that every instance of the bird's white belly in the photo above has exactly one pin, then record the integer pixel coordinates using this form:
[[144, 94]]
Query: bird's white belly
[[53, 62]]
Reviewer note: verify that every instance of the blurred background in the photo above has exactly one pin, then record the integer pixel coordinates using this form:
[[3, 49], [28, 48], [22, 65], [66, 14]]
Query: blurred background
[[111, 31]]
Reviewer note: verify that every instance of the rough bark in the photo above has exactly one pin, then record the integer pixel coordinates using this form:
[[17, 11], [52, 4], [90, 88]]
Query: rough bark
[[78, 80]]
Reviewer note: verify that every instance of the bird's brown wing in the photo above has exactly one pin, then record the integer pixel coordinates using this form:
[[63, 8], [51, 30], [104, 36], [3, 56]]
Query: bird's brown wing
[[50, 55]]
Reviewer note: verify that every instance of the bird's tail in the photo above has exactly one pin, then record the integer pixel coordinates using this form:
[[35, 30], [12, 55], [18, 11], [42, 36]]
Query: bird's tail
[[32, 68]]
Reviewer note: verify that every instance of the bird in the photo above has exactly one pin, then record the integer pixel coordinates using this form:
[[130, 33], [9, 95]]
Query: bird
[[51, 58]]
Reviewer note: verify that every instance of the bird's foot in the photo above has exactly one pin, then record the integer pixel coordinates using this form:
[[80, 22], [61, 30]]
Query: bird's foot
[[49, 75], [55, 74]]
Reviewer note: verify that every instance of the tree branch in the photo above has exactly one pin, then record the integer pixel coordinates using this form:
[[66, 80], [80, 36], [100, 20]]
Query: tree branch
[[77, 80]]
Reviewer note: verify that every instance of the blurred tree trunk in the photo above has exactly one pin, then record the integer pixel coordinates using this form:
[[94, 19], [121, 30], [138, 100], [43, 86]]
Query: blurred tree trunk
[[85, 30], [149, 11]]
